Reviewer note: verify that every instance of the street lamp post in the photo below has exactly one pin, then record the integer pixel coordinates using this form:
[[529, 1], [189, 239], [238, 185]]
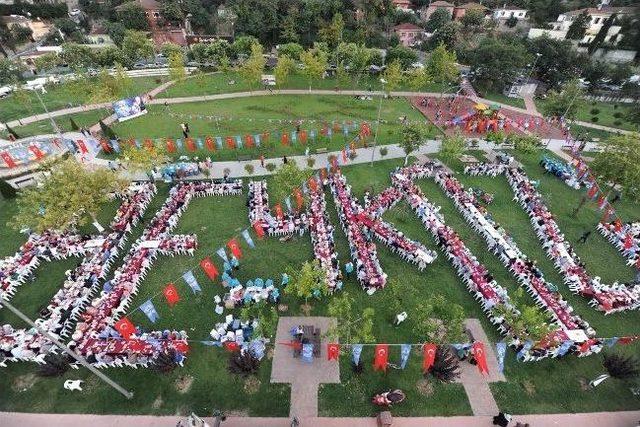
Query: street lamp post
[[54, 125], [375, 138]]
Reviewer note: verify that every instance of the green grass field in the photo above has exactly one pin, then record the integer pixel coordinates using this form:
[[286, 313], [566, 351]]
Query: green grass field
[[84, 119], [58, 97], [501, 98], [606, 115], [243, 116], [548, 386]]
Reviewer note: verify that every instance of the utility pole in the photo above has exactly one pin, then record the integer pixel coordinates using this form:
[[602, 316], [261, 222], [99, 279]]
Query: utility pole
[[67, 350], [375, 138]]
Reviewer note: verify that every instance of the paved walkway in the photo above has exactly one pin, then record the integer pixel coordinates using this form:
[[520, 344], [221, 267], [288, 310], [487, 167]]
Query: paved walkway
[[530, 105], [590, 419], [305, 378], [475, 384]]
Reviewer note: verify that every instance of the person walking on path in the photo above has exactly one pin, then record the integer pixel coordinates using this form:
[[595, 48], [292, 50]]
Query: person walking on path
[[262, 161], [584, 237]]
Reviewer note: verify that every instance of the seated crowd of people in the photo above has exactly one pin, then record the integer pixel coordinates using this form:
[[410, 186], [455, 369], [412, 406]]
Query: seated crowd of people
[[114, 301], [625, 237], [260, 213], [561, 170], [321, 230], [363, 250], [82, 282]]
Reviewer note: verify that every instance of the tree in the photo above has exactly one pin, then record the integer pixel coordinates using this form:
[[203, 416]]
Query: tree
[[524, 143], [284, 68], [498, 61], [77, 56], [578, 27], [441, 66], [419, 78], [289, 31], [7, 190], [292, 50], [47, 61], [406, 56], [110, 87], [251, 69], [412, 138], [143, 159], [69, 196], [563, 103], [116, 31], [136, 46], [287, 179], [109, 56], [619, 164], [310, 278], [621, 367], [314, 63], [73, 124], [473, 18], [243, 45], [558, 63], [168, 49], [210, 52], [446, 365], [243, 363], [438, 320], [452, 147], [331, 34], [351, 326], [511, 22], [437, 20], [132, 17], [447, 35], [393, 76], [526, 322], [9, 71], [176, 66]]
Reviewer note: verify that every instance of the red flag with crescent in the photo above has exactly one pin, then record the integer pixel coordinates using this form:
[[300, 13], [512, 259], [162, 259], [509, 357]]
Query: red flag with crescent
[[36, 152], [171, 146], [82, 146], [231, 346], [257, 226], [211, 146], [148, 143], [299, 198], [105, 145], [210, 270], [344, 156], [191, 145], [618, 225], [230, 142], [235, 248], [171, 294], [303, 136], [333, 351], [429, 353], [279, 213], [592, 191], [481, 357], [181, 346], [125, 328], [381, 357], [285, 138], [8, 159], [313, 185], [628, 241], [248, 139]]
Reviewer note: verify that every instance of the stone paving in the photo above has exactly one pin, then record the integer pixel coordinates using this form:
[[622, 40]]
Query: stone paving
[[305, 378]]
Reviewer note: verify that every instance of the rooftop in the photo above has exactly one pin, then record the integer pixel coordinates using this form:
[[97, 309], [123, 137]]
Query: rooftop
[[441, 3], [408, 27], [471, 6], [145, 4], [607, 10]]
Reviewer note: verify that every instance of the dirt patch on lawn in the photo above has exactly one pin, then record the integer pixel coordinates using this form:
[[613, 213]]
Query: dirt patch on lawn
[[252, 385], [183, 384], [24, 382], [237, 413], [424, 387], [157, 404]]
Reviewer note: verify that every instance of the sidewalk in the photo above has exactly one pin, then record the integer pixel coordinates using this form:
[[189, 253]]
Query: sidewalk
[[591, 419]]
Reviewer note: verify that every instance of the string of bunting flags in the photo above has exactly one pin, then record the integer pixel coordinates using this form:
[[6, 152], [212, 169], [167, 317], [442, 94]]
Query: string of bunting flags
[[248, 140]]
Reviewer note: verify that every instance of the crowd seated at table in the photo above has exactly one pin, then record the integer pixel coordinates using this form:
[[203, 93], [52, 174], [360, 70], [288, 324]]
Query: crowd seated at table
[[625, 237], [321, 230], [233, 330], [562, 170], [82, 282], [607, 298], [106, 309], [260, 213]]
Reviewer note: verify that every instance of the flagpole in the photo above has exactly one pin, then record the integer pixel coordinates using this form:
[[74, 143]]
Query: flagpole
[[67, 350]]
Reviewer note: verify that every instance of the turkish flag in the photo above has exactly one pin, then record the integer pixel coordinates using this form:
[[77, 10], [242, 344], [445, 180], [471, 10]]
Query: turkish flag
[[148, 143], [257, 226], [279, 211], [344, 156], [231, 346], [323, 174], [585, 346], [125, 328], [618, 225], [36, 151], [248, 139], [171, 146], [171, 294], [105, 146], [82, 146], [209, 269], [285, 138], [481, 357], [235, 248], [8, 159], [191, 146], [627, 340], [211, 146], [303, 136], [628, 241], [181, 346], [381, 357], [230, 142], [333, 351], [429, 353], [592, 191], [313, 184]]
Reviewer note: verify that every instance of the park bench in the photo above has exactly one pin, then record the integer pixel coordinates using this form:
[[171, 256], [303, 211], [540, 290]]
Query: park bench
[[321, 150]]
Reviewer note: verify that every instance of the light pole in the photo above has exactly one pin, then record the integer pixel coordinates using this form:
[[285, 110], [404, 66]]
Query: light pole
[[375, 138], [54, 125], [67, 350]]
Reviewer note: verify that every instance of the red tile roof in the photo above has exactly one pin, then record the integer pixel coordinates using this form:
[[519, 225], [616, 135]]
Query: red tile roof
[[407, 27]]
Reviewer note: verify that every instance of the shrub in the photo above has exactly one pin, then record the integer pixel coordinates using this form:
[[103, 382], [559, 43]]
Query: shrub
[[617, 114], [7, 190], [617, 123], [243, 363], [270, 167], [615, 106], [384, 151], [446, 366], [595, 111], [55, 365], [311, 162], [621, 367], [249, 168], [165, 362], [594, 119]]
